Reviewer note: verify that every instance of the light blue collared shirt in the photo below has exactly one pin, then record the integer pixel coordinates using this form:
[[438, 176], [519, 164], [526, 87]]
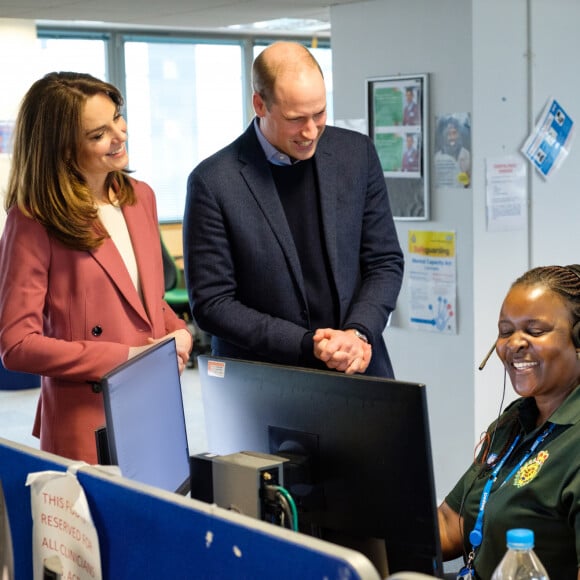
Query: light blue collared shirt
[[272, 154]]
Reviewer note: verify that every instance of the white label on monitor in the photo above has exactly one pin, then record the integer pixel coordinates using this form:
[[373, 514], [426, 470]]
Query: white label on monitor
[[216, 368]]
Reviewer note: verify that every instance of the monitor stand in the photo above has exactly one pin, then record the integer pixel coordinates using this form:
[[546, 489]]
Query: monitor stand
[[102, 442]]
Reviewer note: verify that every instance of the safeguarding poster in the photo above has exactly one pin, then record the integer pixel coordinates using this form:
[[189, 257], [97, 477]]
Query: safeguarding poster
[[432, 281]]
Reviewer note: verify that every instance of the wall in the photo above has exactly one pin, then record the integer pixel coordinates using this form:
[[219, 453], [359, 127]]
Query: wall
[[501, 124], [17, 44], [501, 61], [556, 203], [382, 38], [521, 59]]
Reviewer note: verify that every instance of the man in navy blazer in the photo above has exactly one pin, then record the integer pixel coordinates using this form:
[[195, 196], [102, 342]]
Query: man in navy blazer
[[291, 253]]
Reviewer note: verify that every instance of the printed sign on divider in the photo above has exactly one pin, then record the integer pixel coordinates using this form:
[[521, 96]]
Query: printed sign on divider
[[6, 552], [64, 539]]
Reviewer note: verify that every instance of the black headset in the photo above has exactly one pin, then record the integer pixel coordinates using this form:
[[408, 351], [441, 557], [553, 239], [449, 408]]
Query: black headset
[[576, 334], [576, 328]]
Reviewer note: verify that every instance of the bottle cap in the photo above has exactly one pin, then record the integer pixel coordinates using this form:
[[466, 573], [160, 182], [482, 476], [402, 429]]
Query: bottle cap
[[520, 539]]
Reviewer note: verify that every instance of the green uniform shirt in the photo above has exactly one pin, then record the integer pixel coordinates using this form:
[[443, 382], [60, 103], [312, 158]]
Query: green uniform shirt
[[544, 495]]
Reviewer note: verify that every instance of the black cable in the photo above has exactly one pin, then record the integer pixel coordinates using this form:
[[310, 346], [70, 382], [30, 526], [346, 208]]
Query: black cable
[[286, 511], [281, 496], [484, 465]]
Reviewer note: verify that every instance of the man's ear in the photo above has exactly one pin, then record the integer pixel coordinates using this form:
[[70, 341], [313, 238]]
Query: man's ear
[[259, 105]]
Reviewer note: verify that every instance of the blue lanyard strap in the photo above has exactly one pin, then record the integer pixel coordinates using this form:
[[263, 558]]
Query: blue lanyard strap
[[476, 535]]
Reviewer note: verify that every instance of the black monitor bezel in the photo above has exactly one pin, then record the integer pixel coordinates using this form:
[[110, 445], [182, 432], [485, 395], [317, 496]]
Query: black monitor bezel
[[171, 386], [404, 482]]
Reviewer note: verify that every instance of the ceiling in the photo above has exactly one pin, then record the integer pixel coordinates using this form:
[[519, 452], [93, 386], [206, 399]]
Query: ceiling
[[214, 15]]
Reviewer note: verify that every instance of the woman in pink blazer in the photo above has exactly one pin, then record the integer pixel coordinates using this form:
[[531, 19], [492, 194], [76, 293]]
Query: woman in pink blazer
[[81, 275]]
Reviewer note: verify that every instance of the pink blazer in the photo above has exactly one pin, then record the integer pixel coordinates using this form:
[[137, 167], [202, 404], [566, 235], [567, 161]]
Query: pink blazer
[[72, 315]]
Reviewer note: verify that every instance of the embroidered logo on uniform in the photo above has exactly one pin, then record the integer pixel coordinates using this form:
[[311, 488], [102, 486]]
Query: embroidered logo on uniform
[[530, 469]]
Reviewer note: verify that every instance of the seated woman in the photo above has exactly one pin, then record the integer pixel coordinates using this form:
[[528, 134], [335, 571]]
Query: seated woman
[[527, 472]]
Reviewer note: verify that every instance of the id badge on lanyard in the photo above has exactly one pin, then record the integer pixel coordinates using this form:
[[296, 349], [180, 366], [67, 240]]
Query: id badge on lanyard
[[476, 535], [467, 573]]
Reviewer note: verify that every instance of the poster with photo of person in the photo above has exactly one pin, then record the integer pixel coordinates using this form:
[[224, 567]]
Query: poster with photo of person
[[397, 108], [452, 159]]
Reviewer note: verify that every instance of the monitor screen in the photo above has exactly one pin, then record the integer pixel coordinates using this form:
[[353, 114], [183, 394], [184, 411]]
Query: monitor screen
[[145, 421], [360, 451]]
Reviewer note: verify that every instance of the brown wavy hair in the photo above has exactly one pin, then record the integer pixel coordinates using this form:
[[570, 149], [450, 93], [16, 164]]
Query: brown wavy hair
[[45, 180]]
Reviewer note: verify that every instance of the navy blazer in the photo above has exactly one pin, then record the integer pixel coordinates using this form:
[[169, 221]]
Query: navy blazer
[[242, 269]]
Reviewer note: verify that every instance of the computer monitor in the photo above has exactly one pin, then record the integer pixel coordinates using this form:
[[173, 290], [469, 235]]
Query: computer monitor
[[360, 446], [145, 421]]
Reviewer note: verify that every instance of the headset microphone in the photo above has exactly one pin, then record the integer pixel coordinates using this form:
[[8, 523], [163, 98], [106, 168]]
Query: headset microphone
[[487, 356]]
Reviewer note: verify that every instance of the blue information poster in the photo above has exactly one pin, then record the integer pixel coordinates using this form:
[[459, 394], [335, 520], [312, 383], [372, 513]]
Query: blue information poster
[[549, 143]]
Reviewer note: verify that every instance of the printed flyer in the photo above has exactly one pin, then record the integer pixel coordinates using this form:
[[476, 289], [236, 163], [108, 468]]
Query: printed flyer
[[549, 144], [432, 281]]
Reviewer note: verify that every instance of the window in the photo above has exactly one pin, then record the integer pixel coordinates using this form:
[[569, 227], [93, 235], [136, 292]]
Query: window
[[184, 102], [185, 97], [87, 55]]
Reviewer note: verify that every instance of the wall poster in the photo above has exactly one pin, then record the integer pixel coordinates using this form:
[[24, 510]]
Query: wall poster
[[397, 117]]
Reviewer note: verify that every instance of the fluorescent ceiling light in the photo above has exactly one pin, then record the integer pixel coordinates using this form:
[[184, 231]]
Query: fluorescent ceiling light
[[296, 25]]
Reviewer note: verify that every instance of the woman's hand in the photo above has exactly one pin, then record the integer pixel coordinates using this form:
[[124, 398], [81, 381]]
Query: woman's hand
[[183, 345]]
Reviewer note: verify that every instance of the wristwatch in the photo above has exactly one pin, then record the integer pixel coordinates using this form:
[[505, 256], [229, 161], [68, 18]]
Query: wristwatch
[[360, 335]]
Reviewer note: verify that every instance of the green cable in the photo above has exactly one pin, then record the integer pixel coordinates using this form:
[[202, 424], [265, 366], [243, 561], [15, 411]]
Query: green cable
[[284, 492]]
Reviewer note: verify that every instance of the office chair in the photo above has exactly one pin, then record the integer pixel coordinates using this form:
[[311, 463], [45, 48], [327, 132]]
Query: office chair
[[177, 298], [175, 294]]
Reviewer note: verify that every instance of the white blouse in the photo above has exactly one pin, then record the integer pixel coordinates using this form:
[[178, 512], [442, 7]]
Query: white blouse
[[112, 218]]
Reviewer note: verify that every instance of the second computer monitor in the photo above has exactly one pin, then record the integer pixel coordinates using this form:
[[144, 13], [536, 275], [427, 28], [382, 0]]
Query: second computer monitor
[[360, 449]]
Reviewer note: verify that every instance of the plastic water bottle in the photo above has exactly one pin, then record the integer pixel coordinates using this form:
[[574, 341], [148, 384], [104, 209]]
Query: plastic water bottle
[[520, 561]]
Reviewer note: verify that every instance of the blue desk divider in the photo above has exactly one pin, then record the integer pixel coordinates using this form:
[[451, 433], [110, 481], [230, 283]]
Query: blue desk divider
[[145, 532]]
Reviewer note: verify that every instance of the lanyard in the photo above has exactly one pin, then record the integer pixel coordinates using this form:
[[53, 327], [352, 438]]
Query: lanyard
[[476, 535]]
